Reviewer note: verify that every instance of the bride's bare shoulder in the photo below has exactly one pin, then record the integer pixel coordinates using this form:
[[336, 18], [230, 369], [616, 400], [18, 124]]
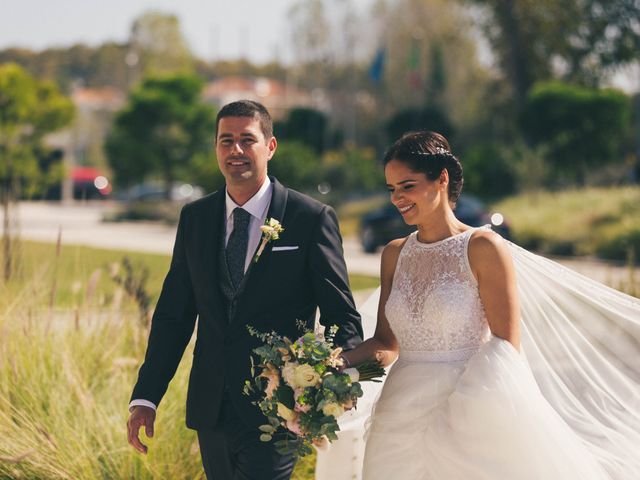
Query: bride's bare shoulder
[[390, 254], [487, 248], [393, 248]]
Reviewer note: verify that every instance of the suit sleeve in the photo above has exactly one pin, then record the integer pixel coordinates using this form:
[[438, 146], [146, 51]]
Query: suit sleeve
[[331, 282], [171, 327]]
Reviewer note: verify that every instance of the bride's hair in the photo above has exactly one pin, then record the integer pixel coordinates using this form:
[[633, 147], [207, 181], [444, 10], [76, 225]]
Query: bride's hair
[[429, 153]]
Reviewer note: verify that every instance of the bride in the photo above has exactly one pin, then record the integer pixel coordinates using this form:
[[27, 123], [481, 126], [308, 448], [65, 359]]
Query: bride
[[508, 365]]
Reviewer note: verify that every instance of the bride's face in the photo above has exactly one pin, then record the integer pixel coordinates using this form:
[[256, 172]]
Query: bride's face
[[413, 194]]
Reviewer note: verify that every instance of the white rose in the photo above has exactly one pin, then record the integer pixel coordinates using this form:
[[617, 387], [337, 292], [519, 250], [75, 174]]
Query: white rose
[[333, 409], [305, 376], [288, 373]]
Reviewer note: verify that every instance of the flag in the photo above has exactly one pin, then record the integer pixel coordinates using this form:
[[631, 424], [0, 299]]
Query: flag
[[376, 70]]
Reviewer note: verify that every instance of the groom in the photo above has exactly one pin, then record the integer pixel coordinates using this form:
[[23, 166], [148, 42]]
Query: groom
[[214, 277]]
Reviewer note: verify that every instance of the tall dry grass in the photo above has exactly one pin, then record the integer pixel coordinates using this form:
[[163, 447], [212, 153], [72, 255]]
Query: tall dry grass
[[64, 391], [71, 341]]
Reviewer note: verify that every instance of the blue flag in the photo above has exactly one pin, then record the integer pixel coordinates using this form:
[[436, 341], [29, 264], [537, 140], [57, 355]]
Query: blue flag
[[376, 70]]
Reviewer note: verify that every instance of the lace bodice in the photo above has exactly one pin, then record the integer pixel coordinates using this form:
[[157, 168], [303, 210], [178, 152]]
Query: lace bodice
[[434, 307]]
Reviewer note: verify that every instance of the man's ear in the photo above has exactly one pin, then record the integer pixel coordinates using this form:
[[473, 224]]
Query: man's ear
[[272, 146]]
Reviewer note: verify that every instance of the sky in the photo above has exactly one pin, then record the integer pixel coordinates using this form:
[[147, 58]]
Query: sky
[[215, 29]]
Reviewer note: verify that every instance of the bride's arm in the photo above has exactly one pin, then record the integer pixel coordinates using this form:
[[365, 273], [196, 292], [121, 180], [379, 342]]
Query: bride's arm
[[492, 266], [383, 345]]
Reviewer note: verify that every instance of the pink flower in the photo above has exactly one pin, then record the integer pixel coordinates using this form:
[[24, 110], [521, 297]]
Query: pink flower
[[294, 426], [273, 380], [301, 408]]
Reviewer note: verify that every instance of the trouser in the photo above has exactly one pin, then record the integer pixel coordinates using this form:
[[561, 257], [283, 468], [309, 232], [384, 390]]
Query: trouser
[[233, 451]]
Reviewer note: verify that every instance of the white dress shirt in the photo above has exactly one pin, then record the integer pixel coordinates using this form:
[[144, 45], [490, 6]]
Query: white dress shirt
[[257, 206]]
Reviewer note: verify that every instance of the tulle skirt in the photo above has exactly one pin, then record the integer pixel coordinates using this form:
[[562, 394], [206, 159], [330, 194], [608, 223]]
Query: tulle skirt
[[476, 419]]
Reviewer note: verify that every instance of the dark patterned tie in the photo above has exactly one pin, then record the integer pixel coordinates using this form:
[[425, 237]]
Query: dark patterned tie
[[237, 245]]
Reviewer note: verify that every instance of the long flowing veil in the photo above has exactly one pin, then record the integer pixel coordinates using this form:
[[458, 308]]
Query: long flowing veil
[[582, 342]]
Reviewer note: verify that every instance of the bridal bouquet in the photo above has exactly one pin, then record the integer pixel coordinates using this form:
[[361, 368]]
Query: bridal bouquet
[[302, 389]]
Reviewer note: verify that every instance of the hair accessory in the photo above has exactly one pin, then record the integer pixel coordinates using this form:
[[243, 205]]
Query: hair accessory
[[438, 151]]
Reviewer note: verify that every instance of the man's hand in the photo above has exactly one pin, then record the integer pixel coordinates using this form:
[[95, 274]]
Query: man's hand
[[140, 416]]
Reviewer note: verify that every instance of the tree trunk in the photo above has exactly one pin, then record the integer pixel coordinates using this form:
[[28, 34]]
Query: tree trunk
[[517, 68]]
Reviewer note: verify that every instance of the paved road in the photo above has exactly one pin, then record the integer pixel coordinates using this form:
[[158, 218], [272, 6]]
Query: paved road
[[82, 224]]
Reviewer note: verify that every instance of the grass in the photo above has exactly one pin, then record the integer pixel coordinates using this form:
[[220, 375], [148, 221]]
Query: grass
[[67, 368], [603, 222]]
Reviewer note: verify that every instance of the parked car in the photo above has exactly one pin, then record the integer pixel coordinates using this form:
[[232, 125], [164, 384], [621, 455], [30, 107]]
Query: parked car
[[379, 227], [89, 183], [157, 192]]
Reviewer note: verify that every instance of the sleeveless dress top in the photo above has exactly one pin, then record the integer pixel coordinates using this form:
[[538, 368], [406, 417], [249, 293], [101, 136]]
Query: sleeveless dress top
[[434, 307]]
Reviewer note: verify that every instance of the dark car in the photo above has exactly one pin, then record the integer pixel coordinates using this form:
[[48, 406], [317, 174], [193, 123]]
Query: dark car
[[380, 226]]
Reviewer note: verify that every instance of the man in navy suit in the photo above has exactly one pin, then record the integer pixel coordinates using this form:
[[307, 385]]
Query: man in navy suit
[[213, 277]]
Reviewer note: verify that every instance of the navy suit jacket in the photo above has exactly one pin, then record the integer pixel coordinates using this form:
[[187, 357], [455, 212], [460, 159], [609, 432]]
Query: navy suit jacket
[[282, 287]]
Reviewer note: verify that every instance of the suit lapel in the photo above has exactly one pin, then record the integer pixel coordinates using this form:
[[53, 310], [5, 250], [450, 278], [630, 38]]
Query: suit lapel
[[211, 248]]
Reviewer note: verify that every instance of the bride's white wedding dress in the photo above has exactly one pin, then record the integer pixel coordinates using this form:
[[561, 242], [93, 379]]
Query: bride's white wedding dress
[[460, 403]]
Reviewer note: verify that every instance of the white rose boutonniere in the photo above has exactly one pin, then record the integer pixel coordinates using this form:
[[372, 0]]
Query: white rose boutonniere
[[271, 230]]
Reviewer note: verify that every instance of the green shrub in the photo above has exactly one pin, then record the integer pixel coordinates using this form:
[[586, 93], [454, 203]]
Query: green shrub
[[488, 173], [620, 244], [581, 127]]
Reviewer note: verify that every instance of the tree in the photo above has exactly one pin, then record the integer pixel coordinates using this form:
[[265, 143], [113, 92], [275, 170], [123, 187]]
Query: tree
[[161, 130], [580, 127], [488, 172], [29, 109], [581, 41], [412, 119], [296, 165], [157, 45], [306, 125]]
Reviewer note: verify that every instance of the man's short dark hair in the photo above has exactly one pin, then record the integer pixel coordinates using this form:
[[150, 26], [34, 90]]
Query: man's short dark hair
[[248, 108]]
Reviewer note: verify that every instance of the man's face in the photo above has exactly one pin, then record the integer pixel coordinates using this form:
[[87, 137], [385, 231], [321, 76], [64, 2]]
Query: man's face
[[243, 151]]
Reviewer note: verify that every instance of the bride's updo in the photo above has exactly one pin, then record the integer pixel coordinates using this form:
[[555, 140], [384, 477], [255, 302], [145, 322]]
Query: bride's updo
[[429, 153]]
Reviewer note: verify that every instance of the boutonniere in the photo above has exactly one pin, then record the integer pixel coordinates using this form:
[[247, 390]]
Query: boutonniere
[[271, 230]]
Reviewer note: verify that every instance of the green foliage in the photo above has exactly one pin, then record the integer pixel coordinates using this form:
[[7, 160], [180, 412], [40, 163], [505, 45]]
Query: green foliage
[[307, 126], [29, 109], [580, 127], [586, 37], [412, 119], [162, 129], [488, 173], [296, 165], [621, 242], [352, 169], [203, 170]]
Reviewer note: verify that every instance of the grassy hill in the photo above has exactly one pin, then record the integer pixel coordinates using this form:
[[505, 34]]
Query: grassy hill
[[603, 222]]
